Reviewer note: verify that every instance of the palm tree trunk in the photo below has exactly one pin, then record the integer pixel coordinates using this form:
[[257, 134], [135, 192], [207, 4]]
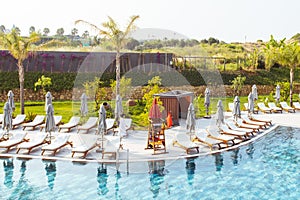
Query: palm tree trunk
[[118, 73], [21, 80], [291, 85]]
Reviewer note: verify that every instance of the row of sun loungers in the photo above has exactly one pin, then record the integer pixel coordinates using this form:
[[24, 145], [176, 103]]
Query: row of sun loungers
[[74, 122], [228, 134], [272, 107], [112, 143], [25, 145]]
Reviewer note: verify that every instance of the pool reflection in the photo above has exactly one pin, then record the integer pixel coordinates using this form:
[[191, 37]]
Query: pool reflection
[[8, 165], [102, 177], [50, 168], [156, 175], [190, 168], [218, 161]]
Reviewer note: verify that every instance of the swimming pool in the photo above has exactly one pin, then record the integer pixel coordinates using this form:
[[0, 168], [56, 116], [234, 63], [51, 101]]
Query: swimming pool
[[266, 169]]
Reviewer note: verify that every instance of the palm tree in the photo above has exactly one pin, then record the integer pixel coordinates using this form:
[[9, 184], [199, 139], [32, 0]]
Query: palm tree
[[31, 29], [60, 32], [285, 54], [46, 31], [2, 28], [118, 38], [19, 48]]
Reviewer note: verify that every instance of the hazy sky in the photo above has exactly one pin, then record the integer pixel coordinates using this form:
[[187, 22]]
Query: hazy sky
[[227, 20]]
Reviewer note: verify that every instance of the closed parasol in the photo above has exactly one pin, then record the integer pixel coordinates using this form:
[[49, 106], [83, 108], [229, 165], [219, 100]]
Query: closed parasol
[[10, 96], [48, 100], [220, 113], [84, 106], [191, 119], [236, 108]]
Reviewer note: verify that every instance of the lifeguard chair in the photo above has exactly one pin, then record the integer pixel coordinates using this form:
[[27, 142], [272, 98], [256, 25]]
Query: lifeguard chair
[[156, 132], [156, 136]]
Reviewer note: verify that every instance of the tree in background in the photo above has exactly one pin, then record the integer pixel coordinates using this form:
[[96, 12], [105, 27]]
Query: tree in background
[[44, 83], [237, 84], [19, 47], [284, 53], [31, 29], [2, 29], [60, 32], [125, 87], [117, 37], [46, 31]]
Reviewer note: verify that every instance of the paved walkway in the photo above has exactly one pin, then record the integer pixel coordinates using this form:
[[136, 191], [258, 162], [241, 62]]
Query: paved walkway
[[134, 144]]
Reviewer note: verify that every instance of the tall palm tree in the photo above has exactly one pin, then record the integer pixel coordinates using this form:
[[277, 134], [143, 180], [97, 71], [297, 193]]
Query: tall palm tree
[[46, 31], [118, 38], [285, 54], [19, 47]]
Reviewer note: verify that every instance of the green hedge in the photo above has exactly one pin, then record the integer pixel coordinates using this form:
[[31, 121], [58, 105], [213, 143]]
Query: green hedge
[[66, 81]]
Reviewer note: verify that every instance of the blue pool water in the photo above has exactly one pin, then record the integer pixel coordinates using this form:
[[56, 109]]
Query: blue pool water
[[266, 169]]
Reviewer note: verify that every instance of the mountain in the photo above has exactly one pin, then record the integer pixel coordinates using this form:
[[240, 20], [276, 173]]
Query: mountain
[[156, 34]]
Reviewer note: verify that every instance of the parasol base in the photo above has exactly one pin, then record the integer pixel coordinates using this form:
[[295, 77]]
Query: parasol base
[[207, 117]]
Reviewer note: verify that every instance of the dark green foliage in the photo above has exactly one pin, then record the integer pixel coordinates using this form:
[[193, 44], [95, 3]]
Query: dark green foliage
[[66, 81]]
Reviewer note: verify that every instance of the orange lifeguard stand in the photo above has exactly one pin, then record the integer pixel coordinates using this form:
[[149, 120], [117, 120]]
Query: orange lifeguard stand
[[156, 137]]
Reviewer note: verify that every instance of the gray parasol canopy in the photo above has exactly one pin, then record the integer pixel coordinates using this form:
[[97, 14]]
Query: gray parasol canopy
[[50, 122], [220, 113], [10, 96], [191, 119], [254, 92], [48, 100], [207, 100], [250, 103], [7, 117], [236, 108], [84, 106]]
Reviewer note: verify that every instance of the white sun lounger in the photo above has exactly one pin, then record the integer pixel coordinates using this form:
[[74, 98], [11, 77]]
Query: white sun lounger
[[109, 123], [183, 141], [247, 120], [112, 145], [232, 126], [286, 107], [73, 122], [296, 105], [263, 108], [214, 133], [201, 137], [241, 124], [16, 138], [57, 120], [274, 108], [38, 120], [38, 140], [124, 126], [18, 120], [90, 123], [83, 149], [59, 142], [268, 122], [240, 134]]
